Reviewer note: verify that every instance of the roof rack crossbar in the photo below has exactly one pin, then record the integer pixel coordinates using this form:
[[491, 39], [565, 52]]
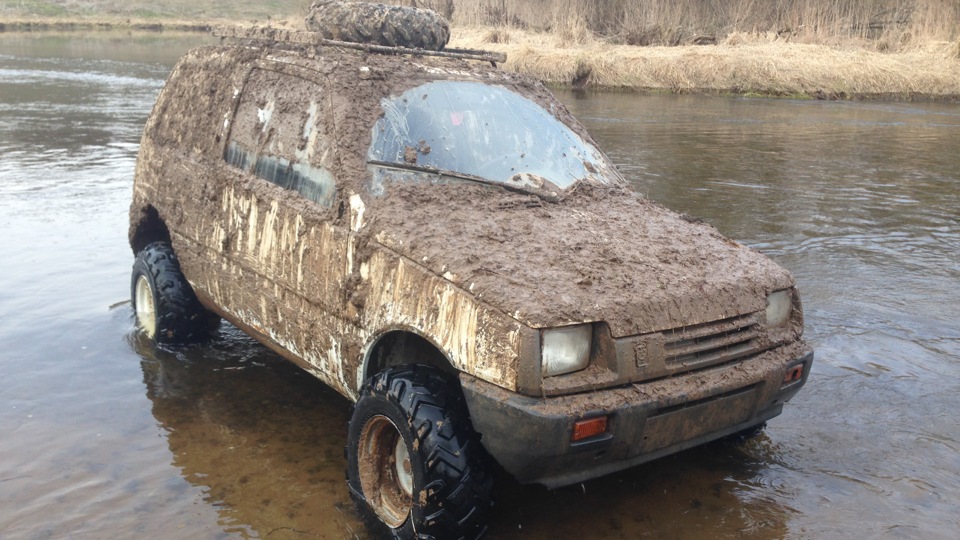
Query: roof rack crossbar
[[265, 34]]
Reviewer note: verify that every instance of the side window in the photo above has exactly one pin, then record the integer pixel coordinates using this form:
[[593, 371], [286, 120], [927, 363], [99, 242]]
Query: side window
[[280, 135]]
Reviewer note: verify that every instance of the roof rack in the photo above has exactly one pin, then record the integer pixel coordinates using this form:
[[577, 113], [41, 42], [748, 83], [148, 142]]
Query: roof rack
[[274, 36]]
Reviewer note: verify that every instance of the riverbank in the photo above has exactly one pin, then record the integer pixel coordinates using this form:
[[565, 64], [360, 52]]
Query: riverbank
[[742, 64], [149, 24], [60, 25]]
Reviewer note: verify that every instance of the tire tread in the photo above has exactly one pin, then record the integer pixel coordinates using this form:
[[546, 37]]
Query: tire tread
[[380, 24], [180, 316], [458, 479]]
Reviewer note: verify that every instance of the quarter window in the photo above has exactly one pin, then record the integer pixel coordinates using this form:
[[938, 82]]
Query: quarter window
[[279, 135]]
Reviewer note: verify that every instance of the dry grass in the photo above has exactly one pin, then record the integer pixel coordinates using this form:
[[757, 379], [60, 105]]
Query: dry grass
[[743, 64], [497, 35], [887, 25], [883, 24]]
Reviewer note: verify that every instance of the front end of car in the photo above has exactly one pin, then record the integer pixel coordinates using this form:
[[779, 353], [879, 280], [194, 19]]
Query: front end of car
[[642, 332], [595, 404]]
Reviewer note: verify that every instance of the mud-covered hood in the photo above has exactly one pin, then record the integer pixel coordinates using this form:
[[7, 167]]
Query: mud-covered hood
[[600, 254]]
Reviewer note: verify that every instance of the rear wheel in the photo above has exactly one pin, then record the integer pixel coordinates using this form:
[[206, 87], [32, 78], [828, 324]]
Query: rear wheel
[[745, 435], [166, 308], [415, 465]]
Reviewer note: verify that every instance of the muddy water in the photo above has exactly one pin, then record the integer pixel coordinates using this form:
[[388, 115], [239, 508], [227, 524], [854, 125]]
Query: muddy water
[[103, 435]]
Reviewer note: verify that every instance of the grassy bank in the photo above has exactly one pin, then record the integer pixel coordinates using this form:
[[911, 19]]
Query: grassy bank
[[195, 15], [743, 64], [52, 24], [847, 49]]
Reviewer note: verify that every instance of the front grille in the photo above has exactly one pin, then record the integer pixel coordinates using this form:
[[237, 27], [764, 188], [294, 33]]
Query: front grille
[[711, 343]]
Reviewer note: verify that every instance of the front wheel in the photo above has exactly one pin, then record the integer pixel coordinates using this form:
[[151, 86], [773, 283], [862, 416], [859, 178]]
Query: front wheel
[[415, 464], [166, 308]]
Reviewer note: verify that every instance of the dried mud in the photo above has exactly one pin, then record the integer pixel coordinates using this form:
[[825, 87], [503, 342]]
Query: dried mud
[[472, 267], [590, 256], [599, 254]]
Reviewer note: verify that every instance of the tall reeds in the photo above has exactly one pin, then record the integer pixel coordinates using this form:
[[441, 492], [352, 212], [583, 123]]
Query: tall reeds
[[887, 23]]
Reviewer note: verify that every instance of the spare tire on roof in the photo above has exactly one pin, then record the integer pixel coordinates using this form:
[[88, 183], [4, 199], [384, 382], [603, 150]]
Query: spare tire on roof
[[379, 24]]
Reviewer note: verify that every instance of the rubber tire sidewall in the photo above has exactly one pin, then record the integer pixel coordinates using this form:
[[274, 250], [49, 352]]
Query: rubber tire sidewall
[[379, 24], [180, 318], [364, 411], [378, 397]]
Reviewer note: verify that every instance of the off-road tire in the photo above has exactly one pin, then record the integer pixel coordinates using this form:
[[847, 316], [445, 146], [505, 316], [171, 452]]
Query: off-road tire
[[179, 317], [379, 24], [451, 476]]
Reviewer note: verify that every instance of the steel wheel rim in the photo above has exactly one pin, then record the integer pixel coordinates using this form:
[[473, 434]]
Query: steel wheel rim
[[146, 313], [386, 473]]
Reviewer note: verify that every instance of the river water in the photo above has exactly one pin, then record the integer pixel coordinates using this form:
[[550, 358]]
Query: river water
[[103, 435]]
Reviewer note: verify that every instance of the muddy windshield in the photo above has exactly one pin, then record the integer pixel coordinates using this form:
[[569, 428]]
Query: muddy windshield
[[483, 131]]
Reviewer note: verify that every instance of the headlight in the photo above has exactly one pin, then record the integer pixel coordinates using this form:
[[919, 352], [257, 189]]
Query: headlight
[[566, 350], [779, 308]]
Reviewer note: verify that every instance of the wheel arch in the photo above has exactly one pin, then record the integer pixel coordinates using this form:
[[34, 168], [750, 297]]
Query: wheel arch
[[147, 227], [402, 346]]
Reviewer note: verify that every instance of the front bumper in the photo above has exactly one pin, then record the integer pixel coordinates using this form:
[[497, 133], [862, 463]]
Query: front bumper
[[531, 437]]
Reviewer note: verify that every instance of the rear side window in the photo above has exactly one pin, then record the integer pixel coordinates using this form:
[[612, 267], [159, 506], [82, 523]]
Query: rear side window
[[279, 135]]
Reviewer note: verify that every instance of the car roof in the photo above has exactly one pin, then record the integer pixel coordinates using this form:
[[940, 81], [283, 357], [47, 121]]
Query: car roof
[[357, 80], [278, 37]]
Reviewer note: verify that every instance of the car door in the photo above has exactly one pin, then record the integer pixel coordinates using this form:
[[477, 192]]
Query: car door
[[285, 255]]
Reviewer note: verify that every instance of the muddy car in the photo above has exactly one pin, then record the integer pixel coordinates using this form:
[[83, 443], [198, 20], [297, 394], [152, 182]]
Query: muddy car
[[444, 244]]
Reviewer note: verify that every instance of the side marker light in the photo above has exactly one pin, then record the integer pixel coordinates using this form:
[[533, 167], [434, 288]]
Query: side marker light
[[591, 427], [793, 374]]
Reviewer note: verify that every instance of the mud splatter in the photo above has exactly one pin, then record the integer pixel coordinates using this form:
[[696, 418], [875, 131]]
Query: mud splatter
[[471, 266]]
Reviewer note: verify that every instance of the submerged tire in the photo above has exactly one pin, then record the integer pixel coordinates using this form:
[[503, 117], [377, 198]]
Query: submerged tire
[[414, 463], [746, 434], [166, 308], [379, 24]]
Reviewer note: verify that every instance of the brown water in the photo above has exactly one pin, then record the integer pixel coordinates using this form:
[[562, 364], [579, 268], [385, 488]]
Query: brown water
[[104, 436]]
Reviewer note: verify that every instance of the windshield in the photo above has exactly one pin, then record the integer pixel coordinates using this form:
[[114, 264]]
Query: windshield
[[484, 131]]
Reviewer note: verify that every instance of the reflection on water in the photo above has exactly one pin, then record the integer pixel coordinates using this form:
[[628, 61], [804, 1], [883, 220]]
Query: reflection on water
[[106, 435], [261, 438], [263, 441]]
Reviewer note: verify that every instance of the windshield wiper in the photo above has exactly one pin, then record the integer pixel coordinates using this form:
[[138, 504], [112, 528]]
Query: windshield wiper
[[551, 197]]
